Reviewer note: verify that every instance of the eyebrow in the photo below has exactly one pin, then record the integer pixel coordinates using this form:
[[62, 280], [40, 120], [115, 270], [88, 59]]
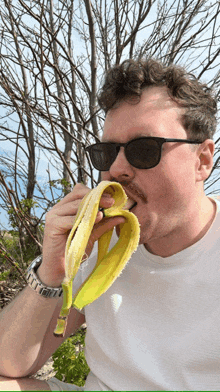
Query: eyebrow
[[132, 138]]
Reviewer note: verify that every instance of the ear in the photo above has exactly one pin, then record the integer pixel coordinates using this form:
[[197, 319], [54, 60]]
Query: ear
[[205, 154]]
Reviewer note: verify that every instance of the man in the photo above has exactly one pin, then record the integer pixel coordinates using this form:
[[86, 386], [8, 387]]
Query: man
[[156, 328]]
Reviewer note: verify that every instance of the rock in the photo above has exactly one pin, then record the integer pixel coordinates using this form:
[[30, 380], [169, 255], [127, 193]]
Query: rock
[[46, 372]]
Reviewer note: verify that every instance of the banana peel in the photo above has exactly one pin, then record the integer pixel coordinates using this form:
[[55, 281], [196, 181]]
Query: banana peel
[[109, 264]]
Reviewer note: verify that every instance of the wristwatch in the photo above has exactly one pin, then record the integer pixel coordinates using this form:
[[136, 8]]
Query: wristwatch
[[35, 283]]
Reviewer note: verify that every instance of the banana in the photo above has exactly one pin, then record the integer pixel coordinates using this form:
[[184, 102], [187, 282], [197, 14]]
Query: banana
[[110, 264]]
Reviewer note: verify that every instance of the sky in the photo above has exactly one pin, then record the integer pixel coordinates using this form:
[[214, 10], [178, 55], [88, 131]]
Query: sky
[[6, 148]]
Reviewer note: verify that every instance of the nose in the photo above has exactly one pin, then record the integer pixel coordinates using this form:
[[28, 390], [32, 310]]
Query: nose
[[121, 168]]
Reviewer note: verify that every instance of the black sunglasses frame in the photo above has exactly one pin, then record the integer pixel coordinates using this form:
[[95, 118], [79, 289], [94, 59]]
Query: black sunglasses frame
[[160, 141]]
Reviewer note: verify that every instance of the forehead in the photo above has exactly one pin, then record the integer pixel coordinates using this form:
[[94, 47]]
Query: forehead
[[155, 111]]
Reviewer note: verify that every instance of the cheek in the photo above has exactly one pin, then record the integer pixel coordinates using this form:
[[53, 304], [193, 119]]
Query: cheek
[[177, 170], [173, 188], [105, 176]]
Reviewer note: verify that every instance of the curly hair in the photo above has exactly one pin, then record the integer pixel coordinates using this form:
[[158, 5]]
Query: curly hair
[[125, 82]]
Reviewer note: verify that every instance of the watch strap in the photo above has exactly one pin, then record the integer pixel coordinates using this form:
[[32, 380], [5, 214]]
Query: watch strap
[[35, 283]]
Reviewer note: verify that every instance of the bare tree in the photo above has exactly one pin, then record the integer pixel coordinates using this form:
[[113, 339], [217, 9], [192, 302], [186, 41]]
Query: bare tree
[[52, 58]]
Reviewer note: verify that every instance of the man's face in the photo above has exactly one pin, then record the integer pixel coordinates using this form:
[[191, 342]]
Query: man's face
[[166, 194]]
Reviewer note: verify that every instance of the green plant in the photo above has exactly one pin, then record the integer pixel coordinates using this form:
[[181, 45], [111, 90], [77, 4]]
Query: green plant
[[23, 242], [65, 185], [25, 206], [4, 275], [71, 367]]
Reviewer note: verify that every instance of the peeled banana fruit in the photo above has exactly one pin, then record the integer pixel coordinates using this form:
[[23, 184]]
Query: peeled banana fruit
[[109, 264]]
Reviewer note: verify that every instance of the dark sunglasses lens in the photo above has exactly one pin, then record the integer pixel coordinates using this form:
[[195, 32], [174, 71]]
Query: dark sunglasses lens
[[102, 156], [143, 153]]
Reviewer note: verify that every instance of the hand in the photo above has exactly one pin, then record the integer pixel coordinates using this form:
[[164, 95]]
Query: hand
[[59, 222]]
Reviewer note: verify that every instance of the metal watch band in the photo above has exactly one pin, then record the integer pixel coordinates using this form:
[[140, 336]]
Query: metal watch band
[[35, 283]]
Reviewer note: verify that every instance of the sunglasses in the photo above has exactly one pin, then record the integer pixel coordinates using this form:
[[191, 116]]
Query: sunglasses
[[142, 153]]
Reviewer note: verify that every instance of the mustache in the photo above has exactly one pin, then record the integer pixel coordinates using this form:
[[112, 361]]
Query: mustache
[[132, 188]]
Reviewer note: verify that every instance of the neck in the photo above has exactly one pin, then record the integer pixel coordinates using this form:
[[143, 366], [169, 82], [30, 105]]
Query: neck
[[186, 235]]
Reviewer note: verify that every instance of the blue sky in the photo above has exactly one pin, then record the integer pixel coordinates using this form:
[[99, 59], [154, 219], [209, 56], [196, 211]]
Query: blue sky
[[7, 148]]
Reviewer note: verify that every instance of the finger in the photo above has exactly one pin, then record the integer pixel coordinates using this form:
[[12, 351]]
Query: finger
[[103, 226], [106, 201], [78, 192], [67, 209], [71, 208], [59, 226]]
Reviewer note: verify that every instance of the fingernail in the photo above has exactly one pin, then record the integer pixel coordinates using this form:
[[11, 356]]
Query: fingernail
[[102, 210]]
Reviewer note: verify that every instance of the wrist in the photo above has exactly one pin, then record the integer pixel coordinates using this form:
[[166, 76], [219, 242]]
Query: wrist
[[48, 278], [40, 285]]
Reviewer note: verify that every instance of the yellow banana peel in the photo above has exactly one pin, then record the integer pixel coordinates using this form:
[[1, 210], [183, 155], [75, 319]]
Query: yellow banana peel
[[110, 264]]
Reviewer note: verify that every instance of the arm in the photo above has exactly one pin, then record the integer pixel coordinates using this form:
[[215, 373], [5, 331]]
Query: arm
[[27, 339], [27, 324]]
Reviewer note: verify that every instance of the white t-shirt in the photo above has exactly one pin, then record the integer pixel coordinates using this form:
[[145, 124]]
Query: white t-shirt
[[158, 326]]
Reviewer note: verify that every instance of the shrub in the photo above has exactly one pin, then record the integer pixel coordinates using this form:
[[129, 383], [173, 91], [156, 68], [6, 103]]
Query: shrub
[[71, 367]]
